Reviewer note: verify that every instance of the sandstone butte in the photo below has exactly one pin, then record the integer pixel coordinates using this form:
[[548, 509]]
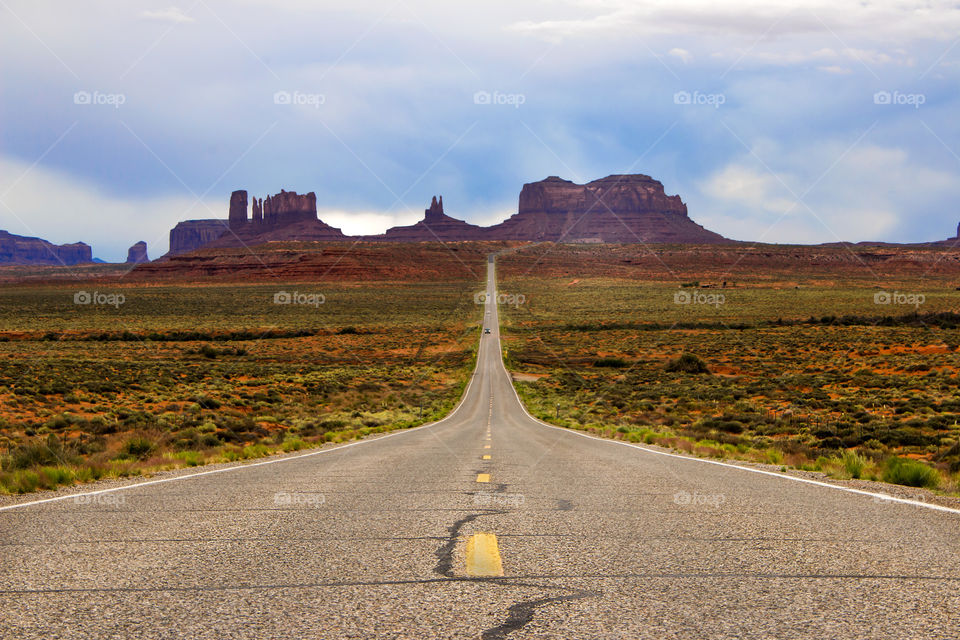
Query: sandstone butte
[[24, 250], [137, 254], [616, 209]]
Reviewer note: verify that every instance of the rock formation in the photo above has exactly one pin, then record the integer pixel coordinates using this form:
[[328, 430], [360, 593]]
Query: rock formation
[[284, 208], [190, 235], [237, 217], [137, 254], [618, 208], [25, 250], [435, 226]]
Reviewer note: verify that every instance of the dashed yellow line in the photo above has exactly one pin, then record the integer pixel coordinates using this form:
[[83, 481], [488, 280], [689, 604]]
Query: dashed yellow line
[[483, 556], [483, 477], [486, 446], [486, 457]]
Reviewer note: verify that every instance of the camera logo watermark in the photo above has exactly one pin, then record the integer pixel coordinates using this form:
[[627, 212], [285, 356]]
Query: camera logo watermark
[[104, 499], [99, 98], [489, 499], [295, 297], [501, 99], [910, 299], [897, 98], [685, 499], [699, 297], [299, 98], [515, 300], [288, 499], [698, 98], [97, 298]]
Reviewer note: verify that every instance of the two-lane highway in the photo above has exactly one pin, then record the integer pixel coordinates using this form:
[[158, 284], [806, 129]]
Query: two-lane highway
[[486, 524]]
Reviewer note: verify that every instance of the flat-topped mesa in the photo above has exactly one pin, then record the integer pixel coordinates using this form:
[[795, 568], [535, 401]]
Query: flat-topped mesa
[[616, 193], [286, 207], [618, 208], [16, 249], [190, 235]]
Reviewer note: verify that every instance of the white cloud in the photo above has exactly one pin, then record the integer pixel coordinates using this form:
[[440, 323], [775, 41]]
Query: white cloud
[[684, 55], [62, 209], [361, 223], [869, 192], [836, 69], [170, 14]]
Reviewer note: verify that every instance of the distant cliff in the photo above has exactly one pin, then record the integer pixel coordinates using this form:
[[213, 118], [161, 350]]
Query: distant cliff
[[618, 208], [190, 235], [24, 250]]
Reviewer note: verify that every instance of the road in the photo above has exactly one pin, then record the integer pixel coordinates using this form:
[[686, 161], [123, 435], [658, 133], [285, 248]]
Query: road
[[594, 539]]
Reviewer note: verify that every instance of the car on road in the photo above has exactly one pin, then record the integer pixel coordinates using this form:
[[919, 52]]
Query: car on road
[[486, 330]]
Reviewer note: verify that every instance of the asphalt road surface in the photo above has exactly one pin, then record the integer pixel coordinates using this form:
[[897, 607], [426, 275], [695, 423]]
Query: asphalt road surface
[[407, 535]]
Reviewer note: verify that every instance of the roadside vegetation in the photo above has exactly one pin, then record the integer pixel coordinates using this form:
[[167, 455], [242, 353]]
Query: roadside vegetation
[[181, 376], [826, 378]]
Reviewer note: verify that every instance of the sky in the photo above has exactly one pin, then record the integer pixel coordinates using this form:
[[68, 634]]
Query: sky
[[793, 122]]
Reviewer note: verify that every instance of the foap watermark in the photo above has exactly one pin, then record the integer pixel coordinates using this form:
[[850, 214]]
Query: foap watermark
[[515, 300], [696, 499], [296, 499], [100, 299], [102, 499], [897, 98], [896, 297], [501, 99], [699, 297], [99, 98], [295, 297], [299, 98], [490, 499], [699, 98]]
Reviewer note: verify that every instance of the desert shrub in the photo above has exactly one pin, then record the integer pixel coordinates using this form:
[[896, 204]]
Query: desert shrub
[[614, 363], [294, 444], [137, 447], [191, 458], [688, 363], [910, 473], [853, 463]]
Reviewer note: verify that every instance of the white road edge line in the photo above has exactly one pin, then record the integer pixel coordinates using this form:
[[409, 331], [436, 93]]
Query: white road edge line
[[251, 465], [884, 497]]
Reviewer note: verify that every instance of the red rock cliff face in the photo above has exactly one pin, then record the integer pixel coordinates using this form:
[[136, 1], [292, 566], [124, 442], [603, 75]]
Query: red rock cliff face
[[137, 254], [23, 250], [618, 208], [190, 235]]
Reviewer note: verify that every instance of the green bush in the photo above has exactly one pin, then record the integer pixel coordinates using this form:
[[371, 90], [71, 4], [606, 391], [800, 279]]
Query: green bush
[[614, 363], [137, 447], [688, 363], [853, 463], [910, 473]]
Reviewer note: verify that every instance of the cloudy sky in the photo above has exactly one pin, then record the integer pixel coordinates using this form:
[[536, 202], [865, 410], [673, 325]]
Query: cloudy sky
[[795, 121]]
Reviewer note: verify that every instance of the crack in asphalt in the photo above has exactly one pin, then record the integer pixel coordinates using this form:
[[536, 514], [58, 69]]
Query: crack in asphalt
[[445, 553], [520, 614]]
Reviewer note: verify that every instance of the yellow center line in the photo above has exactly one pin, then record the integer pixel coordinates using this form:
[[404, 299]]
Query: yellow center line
[[483, 477], [486, 446], [486, 457], [483, 556]]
